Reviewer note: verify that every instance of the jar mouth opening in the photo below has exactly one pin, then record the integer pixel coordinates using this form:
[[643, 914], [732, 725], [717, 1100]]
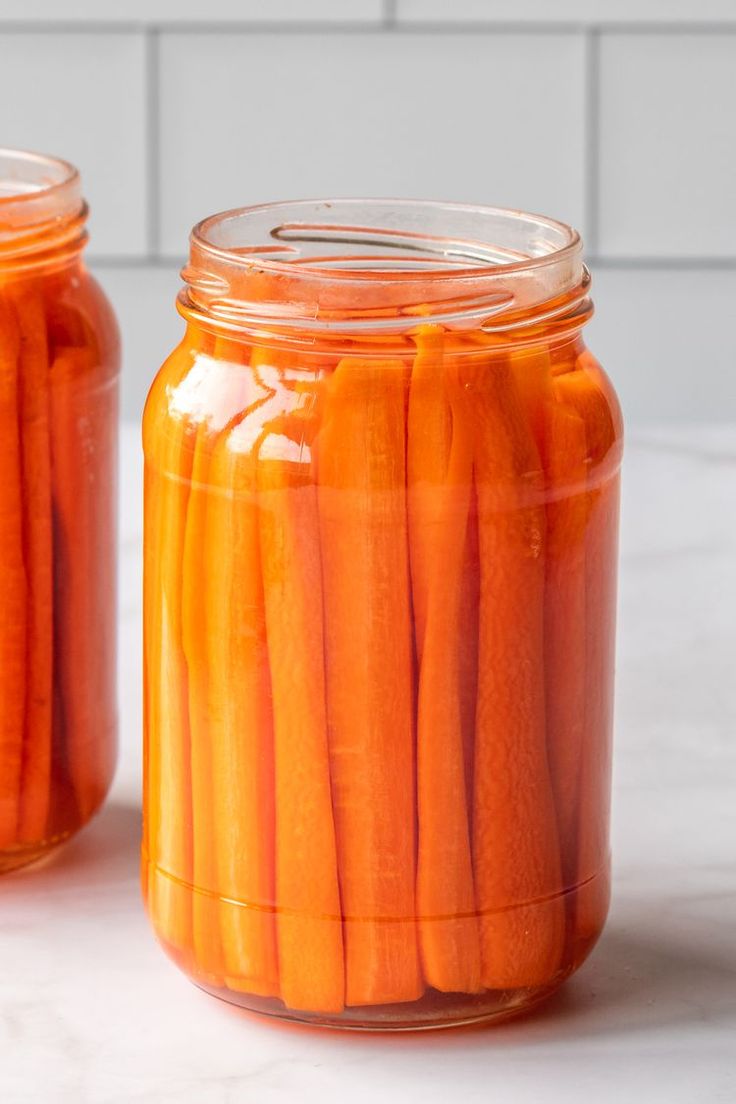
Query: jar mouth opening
[[41, 204], [360, 264], [24, 174], [451, 240]]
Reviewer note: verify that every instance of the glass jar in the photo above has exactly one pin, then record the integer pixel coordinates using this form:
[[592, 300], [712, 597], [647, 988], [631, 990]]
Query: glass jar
[[380, 563], [59, 361]]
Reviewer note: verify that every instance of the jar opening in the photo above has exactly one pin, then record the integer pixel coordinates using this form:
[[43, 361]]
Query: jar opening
[[41, 206], [376, 265]]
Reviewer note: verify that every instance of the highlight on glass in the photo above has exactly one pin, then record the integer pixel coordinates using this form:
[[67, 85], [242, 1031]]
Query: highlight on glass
[[59, 364], [381, 511]]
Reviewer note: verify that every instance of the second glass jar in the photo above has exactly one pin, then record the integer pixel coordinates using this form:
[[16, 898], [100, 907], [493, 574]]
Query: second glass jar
[[59, 367], [380, 563]]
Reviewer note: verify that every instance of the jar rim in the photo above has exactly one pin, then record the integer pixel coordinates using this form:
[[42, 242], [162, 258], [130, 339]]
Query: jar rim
[[353, 265], [41, 204], [264, 254]]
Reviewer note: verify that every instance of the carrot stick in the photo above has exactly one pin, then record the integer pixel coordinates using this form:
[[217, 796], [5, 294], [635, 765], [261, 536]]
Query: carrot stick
[[13, 624], [221, 393], [362, 505], [37, 535], [83, 463], [565, 621], [309, 919], [587, 392], [169, 822], [440, 476], [429, 428], [560, 436], [240, 719], [515, 844], [67, 363], [205, 906], [468, 646]]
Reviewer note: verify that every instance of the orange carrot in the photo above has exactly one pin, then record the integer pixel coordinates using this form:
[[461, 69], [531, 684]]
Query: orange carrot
[[309, 920], [428, 455], [36, 464], [439, 494], [13, 625], [240, 720], [564, 619], [560, 436], [168, 771], [468, 646], [531, 368], [368, 647], [66, 364], [587, 392], [84, 510], [205, 905], [515, 845]]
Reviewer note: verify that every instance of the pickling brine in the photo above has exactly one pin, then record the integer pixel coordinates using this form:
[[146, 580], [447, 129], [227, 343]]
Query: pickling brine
[[380, 566]]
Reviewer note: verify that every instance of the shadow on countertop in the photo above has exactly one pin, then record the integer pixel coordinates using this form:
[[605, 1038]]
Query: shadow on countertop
[[104, 854]]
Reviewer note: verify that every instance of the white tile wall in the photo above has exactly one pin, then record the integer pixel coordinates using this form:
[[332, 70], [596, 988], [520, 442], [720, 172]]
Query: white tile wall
[[668, 145], [195, 12], [565, 11], [616, 114], [143, 297], [666, 339], [82, 96], [248, 117]]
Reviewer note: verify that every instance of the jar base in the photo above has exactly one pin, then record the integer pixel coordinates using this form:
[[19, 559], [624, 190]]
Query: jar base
[[19, 855], [29, 854], [441, 1011], [587, 905]]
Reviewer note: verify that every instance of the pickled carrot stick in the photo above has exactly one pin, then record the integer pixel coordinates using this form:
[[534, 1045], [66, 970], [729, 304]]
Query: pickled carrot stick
[[468, 646], [429, 427], [594, 799], [531, 368], [102, 488], [168, 769], [440, 474], [308, 917], [240, 720], [368, 646], [67, 365], [83, 528], [66, 326], [560, 436], [13, 624], [565, 627], [37, 536], [587, 391], [205, 903], [221, 387], [515, 843]]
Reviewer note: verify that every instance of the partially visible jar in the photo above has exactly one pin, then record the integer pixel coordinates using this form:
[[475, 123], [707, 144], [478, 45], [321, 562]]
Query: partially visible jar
[[381, 495], [59, 367]]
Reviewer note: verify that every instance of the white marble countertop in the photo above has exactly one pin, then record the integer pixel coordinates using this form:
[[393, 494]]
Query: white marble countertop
[[91, 1012]]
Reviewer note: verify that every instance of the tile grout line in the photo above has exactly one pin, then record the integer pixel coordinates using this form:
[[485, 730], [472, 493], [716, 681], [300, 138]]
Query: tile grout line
[[646, 263], [591, 139], [153, 128], [389, 20]]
